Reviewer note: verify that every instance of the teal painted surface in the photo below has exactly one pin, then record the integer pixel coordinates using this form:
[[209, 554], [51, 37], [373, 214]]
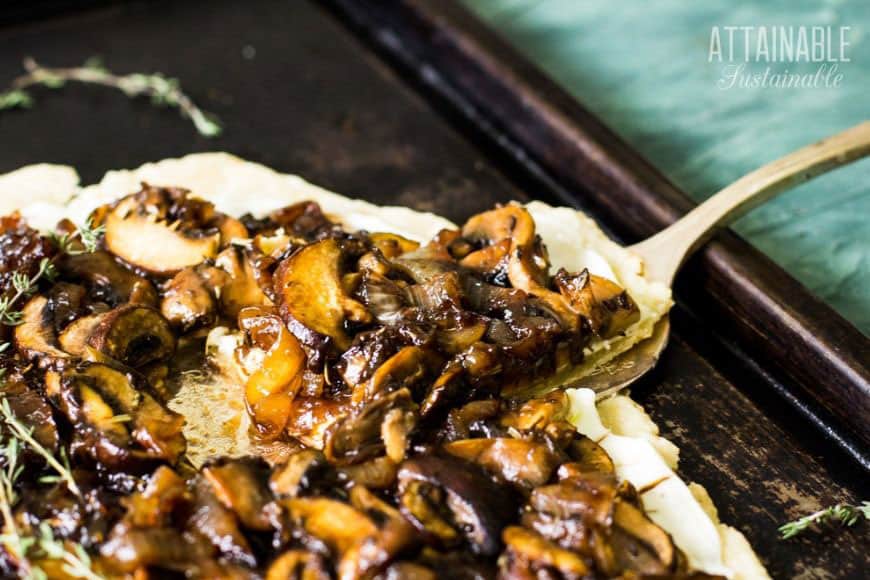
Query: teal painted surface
[[643, 67]]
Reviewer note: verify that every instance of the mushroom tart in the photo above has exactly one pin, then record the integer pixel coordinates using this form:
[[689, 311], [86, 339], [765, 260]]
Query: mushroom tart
[[288, 387]]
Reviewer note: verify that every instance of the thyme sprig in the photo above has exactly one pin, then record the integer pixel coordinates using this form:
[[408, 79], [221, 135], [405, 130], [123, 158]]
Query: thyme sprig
[[162, 90], [846, 514], [24, 434], [25, 285], [76, 561]]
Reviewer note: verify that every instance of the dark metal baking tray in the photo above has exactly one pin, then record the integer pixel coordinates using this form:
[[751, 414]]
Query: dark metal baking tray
[[418, 104]]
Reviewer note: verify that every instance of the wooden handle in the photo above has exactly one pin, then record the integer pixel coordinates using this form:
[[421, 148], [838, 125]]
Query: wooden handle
[[665, 252]]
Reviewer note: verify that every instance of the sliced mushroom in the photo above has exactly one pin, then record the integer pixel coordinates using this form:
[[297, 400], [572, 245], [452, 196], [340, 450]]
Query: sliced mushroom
[[376, 473], [589, 500], [118, 423], [392, 245], [642, 546], [395, 536], [188, 300], [312, 419], [368, 431], [368, 352], [311, 297], [469, 418], [520, 461], [35, 337], [66, 302], [106, 279], [406, 369], [242, 288], [32, 410], [526, 267], [74, 338], [128, 549], [478, 507], [335, 523], [589, 457], [241, 485], [157, 230], [217, 523], [299, 473], [164, 493], [607, 306], [134, 335], [537, 413], [528, 555]]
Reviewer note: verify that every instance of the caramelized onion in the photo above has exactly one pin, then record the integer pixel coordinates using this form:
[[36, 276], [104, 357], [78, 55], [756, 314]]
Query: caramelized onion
[[271, 388]]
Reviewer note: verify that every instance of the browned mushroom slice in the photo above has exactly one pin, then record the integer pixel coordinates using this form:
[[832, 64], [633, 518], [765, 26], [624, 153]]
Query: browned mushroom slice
[[134, 335], [312, 419], [382, 425], [231, 230], [376, 473], [405, 369], [478, 506], [462, 421], [241, 485], [304, 219], [368, 352], [385, 298], [154, 506], [32, 410], [298, 565], [128, 549], [142, 235], [607, 306], [242, 288], [338, 525], [537, 413], [298, 474], [589, 499], [35, 337], [520, 461], [210, 519], [491, 261], [105, 400], [395, 536], [311, 297], [642, 546], [392, 245], [527, 266], [589, 457], [188, 301], [107, 280], [66, 302], [74, 338], [528, 555]]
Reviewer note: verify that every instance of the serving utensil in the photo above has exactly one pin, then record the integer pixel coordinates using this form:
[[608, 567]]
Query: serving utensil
[[665, 252]]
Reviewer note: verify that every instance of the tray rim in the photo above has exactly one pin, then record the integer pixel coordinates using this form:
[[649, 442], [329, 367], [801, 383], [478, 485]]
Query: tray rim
[[818, 359]]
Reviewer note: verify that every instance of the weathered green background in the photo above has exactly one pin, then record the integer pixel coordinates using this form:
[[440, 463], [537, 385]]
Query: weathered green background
[[642, 66]]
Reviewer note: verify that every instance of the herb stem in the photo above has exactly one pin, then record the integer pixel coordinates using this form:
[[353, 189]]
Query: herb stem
[[162, 90], [24, 434], [847, 515]]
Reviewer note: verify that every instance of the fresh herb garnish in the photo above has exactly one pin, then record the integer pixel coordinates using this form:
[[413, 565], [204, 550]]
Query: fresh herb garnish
[[846, 514], [25, 285], [162, 90], [24, 435]]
